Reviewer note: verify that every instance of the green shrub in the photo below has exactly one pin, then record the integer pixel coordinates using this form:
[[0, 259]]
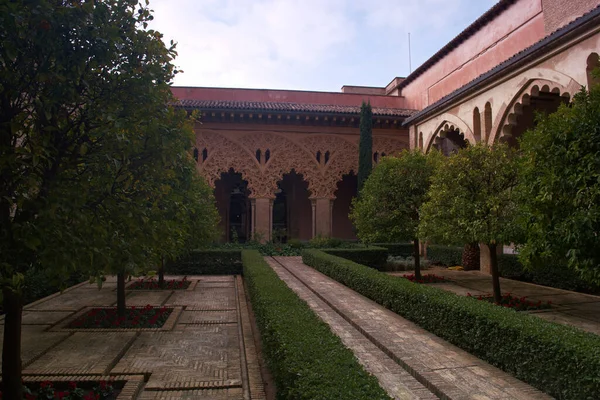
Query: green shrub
[[445, 255], [40, 283], [325, 242], [208, 262], [374, 257], [306, 359], [560, 360], [397, 249], [556, 274]]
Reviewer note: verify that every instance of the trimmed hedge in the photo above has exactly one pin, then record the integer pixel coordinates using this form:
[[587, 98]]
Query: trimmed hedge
[[372, 256], [208, 262], [306, 359], [445, 255], [559, 360], [397, 249], [553, 275]]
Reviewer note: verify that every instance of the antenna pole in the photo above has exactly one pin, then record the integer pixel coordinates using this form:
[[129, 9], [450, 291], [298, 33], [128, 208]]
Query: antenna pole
[[409, 61]]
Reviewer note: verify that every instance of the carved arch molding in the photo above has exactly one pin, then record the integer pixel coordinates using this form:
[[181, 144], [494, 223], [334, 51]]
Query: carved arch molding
[[263, 158]]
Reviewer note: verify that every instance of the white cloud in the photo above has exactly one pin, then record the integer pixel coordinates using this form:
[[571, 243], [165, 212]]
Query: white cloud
[[311, 44]]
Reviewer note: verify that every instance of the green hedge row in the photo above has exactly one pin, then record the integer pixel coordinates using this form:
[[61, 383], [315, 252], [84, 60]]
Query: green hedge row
[[560, 360], [445, 255], [554, 275], [306, 359], [397, 249], [208, 262], [372, 256]]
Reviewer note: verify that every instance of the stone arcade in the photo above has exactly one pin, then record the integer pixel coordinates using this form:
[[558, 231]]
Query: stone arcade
[[283, 162]]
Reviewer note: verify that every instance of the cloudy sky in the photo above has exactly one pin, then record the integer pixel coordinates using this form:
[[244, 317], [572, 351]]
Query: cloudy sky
[[306, 44]]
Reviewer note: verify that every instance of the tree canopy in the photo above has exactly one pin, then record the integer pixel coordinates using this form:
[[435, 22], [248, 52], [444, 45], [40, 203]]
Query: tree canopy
[[96, 170], [365, 146], [388, 208], [472, 199], [560, 187]]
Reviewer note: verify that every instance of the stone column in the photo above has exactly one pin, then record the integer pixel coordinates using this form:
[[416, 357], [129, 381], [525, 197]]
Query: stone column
[[413, 137], [262, 218], [485, 265], [322, 216]]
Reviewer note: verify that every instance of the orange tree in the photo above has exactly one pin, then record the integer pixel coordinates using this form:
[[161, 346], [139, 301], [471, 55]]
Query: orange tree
[[472, 199], [389, 206], [560, 188], [89, 149]]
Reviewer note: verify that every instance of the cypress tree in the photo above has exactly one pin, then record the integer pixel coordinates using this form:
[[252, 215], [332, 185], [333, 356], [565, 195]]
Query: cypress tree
[[365, 147]]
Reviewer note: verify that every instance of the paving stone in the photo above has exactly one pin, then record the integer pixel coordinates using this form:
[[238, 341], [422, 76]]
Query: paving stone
[[448, 370], [206, 394], [191, 357], [73, 300], [209, 299], [34, 342], [398, 383], [83, 353], [44, 317], [208, 317], [144, 297]]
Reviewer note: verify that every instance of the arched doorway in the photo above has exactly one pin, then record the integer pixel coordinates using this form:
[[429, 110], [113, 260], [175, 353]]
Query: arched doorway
[[544, 102], [346, 190], [231, 195], [449, 142], [292, 210]]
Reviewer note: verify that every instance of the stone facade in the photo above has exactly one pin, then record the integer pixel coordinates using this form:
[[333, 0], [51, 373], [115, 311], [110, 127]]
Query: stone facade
[[486, 84]]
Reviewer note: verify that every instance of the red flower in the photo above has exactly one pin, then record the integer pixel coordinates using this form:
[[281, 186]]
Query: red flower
[[72, 385]]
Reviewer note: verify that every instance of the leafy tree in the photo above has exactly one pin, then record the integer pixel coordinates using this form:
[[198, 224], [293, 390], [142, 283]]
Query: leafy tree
[[87, 142], [560, 187], [471, 199], [388, 208], [365, 146]]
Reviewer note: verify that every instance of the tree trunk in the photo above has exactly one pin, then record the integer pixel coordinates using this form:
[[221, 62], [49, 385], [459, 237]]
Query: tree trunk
[[11, 353], [161, 273], [121, 294], [495, 273], [471, 256], [417, 259]]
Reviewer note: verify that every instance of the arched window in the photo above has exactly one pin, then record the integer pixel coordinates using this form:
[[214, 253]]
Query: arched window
[[267, 155], [487, 121], [376, 157], [477, 124], [204, 154], [196, 154], [593, 63], [319, 157], [421, 140], [258, 155], [326, 157]]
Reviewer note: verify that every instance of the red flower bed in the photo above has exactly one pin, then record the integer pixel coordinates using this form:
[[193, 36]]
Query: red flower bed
[[428, 278], [102, 390], [516, 303], [144, 317], [150, 284]]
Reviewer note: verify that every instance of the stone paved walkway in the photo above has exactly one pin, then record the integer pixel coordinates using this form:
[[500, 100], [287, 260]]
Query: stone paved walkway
[[207, 353], [570, 308], [444, 369]]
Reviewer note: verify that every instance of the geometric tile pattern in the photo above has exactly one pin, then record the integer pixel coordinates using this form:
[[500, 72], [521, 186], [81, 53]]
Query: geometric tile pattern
[[202, 354]]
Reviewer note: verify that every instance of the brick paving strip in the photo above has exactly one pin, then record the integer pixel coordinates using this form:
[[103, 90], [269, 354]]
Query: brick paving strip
[[443, 368]]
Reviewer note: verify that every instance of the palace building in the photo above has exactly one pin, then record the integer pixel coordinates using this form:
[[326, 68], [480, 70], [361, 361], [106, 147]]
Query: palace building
[[283, 163]]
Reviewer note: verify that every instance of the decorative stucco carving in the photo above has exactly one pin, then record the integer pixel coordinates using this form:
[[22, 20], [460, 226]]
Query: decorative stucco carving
[[338, 157], [532, 89]]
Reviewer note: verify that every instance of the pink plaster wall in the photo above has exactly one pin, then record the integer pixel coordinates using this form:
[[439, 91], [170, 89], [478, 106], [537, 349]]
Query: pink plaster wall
[[558, 13], [518, 27]]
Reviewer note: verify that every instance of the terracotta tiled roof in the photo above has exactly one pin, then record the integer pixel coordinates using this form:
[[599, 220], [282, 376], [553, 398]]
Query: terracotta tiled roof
[[252, 106], [469, 31], [523, 56]]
